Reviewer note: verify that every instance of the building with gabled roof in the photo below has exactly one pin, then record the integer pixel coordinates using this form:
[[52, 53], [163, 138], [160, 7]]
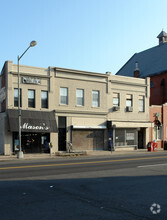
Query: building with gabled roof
[[150, 62]]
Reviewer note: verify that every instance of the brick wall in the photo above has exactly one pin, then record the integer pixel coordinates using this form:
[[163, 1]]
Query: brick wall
[[158, 89], [165, 122], [162, 109]]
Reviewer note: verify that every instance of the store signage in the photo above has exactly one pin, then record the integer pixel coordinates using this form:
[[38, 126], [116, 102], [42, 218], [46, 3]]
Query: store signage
[[28, 126], [30, 80], [130, 136], [2, 94]]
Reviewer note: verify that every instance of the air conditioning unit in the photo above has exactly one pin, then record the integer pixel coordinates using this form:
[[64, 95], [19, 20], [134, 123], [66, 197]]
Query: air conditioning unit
[[129, 109], [116, 108]]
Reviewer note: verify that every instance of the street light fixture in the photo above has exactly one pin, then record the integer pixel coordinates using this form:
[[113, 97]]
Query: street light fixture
[[20, 153]]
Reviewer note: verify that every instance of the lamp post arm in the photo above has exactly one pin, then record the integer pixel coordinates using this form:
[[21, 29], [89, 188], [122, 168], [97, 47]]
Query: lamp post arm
[[23, 53]]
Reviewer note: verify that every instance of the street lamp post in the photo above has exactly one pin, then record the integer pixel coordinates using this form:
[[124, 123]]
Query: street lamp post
[[20, 152]]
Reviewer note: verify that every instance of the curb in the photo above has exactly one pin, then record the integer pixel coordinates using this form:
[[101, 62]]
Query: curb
[[77, 154]]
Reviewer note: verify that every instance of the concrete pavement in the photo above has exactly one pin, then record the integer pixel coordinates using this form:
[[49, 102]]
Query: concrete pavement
[[83, 153], [83, 189]]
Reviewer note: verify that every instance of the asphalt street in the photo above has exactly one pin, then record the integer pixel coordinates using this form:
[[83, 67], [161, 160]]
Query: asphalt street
[[108, 187]]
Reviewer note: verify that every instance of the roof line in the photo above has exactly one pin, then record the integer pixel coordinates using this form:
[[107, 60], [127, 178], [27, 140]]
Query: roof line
[[125, 64], [158, 73]]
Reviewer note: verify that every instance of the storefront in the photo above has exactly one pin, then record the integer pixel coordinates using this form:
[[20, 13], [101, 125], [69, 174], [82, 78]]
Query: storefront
[[88, 138], [122, 137], [125, 137], [130, 135], [36, 127]]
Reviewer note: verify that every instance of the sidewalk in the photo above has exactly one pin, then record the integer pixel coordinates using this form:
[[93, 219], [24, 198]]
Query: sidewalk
[[76, 154]]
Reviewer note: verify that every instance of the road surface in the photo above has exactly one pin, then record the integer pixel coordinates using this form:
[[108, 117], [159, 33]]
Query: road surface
[[110, 187]]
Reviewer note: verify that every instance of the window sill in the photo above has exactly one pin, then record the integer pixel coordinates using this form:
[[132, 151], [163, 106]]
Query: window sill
[[63, 104], [95, 107], [80, 106]]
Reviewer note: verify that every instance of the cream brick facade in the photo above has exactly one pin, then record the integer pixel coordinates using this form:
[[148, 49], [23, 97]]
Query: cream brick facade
[[122, 118], [86, 126]]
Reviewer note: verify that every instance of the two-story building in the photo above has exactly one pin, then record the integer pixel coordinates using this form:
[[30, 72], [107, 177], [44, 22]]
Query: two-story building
[[128, 112], [93, 111]]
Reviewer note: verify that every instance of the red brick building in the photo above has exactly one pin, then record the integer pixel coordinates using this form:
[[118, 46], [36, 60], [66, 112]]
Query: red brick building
[[152, 63], [158, 89], [158, 132]]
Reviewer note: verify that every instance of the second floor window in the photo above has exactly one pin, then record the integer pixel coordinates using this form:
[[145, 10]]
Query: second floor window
[[95, 98], [129, 101], [16, 97], [31, 98], [64, 96], [141, 103], [80, 97], [116, 99], [44, 99]]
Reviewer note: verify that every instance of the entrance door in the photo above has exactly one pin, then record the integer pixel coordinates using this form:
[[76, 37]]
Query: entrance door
[[62, 133], [141, 139]]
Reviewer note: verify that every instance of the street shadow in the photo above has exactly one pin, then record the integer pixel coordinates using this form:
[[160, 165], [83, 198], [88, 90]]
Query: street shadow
[[123, 197]]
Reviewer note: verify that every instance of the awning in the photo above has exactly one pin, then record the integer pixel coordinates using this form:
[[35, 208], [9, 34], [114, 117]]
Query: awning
[[131, 124], [32, 121], [88, 127]]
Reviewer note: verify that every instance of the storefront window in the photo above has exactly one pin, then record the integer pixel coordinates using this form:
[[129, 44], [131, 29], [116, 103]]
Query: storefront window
[[120, 137], [32, 142], [125, 137]]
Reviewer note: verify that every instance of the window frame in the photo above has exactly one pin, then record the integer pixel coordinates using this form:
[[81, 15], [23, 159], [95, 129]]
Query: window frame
[[129, 99], [44, 101], [95, 101], [116, 99], [31, 101], [66, 96], [141, 107], [80, 97], [158, 133], [16, 97]]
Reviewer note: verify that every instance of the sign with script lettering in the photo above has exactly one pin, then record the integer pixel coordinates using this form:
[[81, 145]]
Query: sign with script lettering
[[30, 80], [42, 127]]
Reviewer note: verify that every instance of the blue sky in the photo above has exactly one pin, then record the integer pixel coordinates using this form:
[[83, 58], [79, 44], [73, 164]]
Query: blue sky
[[90, 35]]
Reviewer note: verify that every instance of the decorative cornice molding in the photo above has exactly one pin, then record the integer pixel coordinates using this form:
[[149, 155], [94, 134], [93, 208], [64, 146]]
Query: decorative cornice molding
[[81, 112]]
